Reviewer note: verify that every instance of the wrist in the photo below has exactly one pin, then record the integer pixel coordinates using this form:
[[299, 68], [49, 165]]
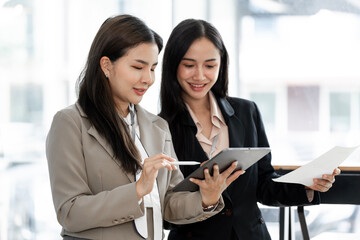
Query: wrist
[[207, 200], [139, 193], [211, 207]]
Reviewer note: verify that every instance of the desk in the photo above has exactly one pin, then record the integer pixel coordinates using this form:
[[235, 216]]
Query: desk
[[344, 191]]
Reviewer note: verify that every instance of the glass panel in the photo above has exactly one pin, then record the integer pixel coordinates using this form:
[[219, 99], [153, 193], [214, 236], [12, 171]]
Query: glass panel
[[340, 111], [303, 108], [26, 103], [266, 103]]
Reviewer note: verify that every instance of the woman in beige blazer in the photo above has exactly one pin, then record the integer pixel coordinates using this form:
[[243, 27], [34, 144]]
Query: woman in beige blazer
[[110, 161]]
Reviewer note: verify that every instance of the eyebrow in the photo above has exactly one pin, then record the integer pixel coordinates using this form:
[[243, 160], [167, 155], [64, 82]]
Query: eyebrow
[[144, 62], [193, 60]]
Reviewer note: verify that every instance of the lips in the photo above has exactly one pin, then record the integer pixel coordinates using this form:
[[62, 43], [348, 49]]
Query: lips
[[197, 87], [140, 91]]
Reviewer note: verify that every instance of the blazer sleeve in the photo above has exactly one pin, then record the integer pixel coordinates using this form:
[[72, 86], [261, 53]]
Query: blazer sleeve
[[184, 207], [77, 207]]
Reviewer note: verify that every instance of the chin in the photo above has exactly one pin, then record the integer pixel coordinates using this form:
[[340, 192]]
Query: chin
[[199, 95], [136, 100]]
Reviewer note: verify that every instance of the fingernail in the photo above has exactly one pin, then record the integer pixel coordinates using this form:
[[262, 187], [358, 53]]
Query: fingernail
[[191, 180]]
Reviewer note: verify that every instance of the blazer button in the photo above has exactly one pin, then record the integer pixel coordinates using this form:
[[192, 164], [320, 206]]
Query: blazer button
[[261, 220], [131, 217], [115, 221], [228, 212]]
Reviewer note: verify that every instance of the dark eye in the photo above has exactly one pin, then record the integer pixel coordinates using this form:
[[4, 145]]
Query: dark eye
[[188, 65], [210, 66], [137, 68]]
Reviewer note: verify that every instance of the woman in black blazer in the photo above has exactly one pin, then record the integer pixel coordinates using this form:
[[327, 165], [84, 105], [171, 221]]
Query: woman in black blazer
[[194, 85]]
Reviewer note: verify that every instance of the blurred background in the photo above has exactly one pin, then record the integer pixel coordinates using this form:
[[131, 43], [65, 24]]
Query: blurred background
[[297, 59]]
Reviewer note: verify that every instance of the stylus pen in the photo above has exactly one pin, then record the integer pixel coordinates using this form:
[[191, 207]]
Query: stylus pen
[[186, 163]]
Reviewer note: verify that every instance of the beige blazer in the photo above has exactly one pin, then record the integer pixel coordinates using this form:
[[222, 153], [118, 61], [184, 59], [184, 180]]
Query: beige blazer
[[94, 197]]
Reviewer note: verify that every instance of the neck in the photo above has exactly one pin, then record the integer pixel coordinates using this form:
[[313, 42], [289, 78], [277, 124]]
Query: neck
[[123, 110], [199, 105]]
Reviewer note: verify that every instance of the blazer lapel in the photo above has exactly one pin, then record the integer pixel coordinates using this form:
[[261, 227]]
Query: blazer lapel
[[198, 153], [101, 140], [153, 139], [151, 136], [236, 130], [235, 125]]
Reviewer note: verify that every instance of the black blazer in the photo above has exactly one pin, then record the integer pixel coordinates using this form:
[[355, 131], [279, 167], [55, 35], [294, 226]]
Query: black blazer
[[241, 215]]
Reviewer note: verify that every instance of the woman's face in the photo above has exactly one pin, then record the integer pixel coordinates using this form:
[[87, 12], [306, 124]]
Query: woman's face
[[198, 69], [131, 75]]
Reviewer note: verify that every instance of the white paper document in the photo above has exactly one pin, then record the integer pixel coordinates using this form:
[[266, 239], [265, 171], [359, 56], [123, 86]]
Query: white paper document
[[325, 164]]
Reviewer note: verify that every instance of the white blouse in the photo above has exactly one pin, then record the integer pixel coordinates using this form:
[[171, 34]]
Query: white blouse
[[151, 200]]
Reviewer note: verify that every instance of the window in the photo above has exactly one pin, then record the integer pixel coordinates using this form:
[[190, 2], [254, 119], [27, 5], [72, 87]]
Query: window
[[26, 103], [297, 61], [303, 108], [266, 102], [340, 114]]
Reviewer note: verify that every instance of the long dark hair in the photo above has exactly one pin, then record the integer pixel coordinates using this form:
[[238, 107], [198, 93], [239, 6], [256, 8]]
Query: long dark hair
[[181, 38], [114, 38], [173, 108]]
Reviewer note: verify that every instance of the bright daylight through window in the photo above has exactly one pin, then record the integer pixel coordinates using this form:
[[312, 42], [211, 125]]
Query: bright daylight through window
[[298, 60]]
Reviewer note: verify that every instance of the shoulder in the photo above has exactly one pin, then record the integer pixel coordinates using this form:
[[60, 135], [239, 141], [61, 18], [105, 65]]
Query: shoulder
[[241, 102], [70, 111], [151, 118], [71, 114], [238, 105]]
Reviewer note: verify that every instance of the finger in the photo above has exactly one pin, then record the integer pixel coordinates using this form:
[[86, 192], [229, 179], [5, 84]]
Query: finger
[[234, 176], [229, 170], [319, 188], [167, 165], [172, 165], [164, 156], [160, 156], [324, 183], [197, 181], [328, 177], [337, 171], [207, 174], [216, 172], [321, 185], [156, 165], [153, 160]]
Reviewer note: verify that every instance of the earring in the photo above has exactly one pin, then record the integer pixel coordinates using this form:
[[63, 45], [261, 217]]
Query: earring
[[106, 75]]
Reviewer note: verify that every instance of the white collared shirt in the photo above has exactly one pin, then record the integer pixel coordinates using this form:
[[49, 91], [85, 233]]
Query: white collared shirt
[[151, 200]]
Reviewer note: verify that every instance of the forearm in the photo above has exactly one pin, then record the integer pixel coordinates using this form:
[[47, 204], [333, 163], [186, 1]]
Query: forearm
[[186, 207], [104, 209]]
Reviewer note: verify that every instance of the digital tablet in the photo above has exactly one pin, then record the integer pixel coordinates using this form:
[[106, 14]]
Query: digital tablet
[[244, 156]]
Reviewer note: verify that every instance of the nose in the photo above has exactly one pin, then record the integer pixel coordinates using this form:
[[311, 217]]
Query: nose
[[148, 77], [199, 74]]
